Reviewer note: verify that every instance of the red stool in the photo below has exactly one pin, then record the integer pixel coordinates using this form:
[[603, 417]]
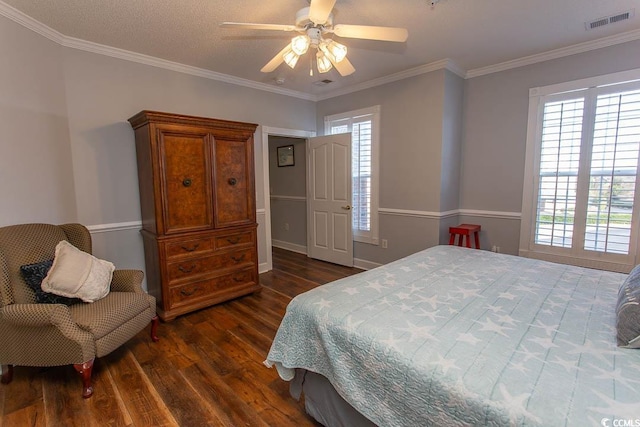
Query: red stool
[[465, 230]]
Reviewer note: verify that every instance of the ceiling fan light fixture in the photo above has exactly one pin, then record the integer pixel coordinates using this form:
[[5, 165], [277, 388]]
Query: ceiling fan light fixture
[[337, 51], [323, 63], [291, 58], [300, 44]]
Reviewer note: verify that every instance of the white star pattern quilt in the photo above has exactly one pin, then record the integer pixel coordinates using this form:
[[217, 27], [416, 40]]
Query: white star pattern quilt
[[455, 336]]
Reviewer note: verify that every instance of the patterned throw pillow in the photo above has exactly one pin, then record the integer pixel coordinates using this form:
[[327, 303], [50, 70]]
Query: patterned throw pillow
[[33, 275], [628, 311]]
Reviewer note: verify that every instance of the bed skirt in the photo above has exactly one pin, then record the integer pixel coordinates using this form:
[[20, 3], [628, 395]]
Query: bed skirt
[[323, 403]]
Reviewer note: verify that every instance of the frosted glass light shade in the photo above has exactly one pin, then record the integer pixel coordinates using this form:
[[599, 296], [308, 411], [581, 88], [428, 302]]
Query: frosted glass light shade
[[300, 44], [339, 51], [323, 62], [290, 58]]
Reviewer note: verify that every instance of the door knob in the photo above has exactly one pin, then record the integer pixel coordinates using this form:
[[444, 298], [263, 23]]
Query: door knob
[[346, 208]]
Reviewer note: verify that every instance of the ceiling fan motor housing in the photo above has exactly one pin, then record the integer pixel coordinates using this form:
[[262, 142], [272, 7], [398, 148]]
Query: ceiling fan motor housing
[[303, 21]]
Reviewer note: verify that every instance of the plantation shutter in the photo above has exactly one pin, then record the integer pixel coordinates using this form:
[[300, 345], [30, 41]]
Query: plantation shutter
[[361, 167], [598, 130], [614, 166], [558, 175]]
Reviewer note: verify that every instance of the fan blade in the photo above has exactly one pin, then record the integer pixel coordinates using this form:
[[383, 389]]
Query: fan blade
[[272, 27], [344, 67], [276, 60], [390, 34], [319, 10]]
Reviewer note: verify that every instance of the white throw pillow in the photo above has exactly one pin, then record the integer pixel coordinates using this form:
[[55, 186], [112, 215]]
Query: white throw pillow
[[77, 274]]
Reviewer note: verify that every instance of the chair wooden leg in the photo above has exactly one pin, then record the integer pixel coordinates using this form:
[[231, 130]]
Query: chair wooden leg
[[85, 370], [154, 329], [7, 374]]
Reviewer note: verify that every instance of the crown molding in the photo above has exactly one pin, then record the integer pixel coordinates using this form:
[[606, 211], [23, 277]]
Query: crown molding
[[446, 64], [556, 53], [176, 66], [28, 22], [74, 43]]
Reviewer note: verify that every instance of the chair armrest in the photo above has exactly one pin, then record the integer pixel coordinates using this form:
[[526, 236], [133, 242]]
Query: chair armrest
[[127, 281], [36, 314]]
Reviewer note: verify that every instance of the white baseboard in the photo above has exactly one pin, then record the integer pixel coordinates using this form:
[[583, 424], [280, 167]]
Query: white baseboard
[[263, 268], [289, 246], [358, 263], [364, 264]]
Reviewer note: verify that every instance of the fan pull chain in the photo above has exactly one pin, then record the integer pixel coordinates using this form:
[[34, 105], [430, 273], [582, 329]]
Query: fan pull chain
[[311, 65]]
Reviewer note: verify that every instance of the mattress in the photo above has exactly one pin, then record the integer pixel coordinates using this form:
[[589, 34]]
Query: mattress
[[457, 336]]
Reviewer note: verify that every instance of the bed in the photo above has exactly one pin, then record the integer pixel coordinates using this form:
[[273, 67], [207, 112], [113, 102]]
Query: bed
[[457, 336]]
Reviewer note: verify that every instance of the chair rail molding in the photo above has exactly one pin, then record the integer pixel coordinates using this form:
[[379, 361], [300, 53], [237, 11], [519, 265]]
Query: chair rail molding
[[451, 213], [117, 226]]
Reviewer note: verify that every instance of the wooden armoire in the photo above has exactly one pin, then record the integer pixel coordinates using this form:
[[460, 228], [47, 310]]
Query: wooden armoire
[[197, 199]]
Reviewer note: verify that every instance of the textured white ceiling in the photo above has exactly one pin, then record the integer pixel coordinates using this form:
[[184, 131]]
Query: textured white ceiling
[[471, 33]]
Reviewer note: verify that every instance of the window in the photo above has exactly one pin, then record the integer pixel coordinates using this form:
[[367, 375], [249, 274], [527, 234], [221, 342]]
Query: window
[[363, 125], [585, 144]]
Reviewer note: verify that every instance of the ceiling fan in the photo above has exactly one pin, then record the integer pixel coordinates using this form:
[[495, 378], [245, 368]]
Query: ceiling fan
[[314, 23]]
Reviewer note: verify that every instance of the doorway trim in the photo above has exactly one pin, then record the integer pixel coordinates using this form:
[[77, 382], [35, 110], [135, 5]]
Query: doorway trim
[[266, 132]]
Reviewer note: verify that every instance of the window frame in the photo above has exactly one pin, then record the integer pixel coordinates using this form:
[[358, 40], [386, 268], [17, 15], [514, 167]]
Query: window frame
[[371, 236], [589, 88]]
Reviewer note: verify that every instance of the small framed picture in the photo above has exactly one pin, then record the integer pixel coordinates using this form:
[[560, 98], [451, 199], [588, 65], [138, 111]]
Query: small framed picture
[[285, 156]]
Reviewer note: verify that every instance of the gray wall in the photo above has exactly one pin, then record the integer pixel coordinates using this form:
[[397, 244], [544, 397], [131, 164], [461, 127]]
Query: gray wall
[[68, 152], [36, 174], [419, 153], [67, 148], [288, 195], [452, 117], [495, 133]]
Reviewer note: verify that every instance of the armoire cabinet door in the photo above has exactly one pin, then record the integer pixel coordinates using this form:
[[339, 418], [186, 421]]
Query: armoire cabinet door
[[233, 183], [186, 181]]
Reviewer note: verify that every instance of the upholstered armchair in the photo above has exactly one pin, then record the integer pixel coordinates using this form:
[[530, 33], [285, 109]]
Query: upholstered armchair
[[37, 334]]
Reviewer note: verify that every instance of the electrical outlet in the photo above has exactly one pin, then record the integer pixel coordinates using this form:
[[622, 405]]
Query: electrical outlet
[[384, 244], [286, 226]]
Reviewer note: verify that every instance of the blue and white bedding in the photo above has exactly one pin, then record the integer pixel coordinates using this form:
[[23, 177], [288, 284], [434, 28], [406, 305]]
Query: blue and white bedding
[[456, 336]]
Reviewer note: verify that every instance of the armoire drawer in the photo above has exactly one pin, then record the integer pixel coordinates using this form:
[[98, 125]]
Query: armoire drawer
[[184, 294], [188, 247], [229, 241], [192, 267]]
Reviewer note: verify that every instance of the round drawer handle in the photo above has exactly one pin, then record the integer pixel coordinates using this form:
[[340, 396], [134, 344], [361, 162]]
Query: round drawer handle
[[186, 182], [232, 181], [186, 269]]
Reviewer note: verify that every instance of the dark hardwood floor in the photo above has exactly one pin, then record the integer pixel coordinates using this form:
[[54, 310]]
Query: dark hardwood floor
[[206, 370]]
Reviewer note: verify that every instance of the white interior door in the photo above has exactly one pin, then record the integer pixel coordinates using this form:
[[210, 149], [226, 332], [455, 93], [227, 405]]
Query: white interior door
[[329, 229]]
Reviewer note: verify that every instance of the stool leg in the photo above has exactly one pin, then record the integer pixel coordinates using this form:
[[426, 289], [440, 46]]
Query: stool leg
[[469, 241], [477, 240], [460, 237], [452, 238]]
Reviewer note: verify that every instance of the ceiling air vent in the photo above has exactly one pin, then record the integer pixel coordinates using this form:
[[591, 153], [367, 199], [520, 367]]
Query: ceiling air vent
[[601, 22], [323, 82]]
